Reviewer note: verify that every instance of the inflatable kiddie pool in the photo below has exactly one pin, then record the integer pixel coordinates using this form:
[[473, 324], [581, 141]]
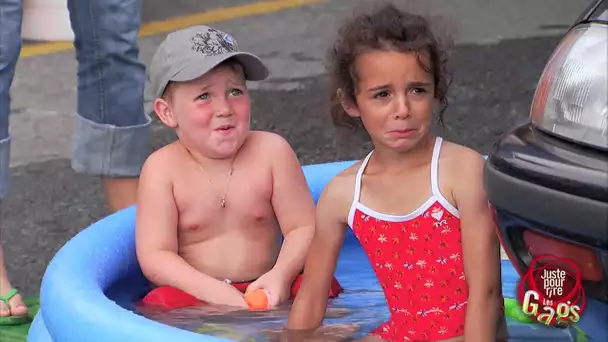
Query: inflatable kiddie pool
[[95, 269], [101, 259]]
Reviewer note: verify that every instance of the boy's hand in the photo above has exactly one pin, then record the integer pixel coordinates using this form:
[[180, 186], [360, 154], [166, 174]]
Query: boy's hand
[[227, 295], [276, 284]]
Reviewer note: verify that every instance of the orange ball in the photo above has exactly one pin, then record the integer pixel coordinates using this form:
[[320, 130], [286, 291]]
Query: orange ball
[[257, 299]]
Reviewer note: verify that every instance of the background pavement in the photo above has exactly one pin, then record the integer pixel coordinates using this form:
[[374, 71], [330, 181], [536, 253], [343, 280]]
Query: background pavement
[[501, 48]]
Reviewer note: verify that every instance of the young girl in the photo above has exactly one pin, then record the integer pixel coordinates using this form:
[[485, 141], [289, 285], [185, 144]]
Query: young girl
[[416, 203]]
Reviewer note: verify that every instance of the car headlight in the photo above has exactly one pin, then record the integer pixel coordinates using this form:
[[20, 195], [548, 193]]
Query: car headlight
[[571, 100]]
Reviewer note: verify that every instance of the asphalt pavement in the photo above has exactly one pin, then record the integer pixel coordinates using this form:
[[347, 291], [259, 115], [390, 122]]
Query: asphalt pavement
[[500, 50]]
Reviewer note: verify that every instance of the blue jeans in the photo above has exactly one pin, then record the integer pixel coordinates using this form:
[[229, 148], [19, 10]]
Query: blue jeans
[[112, 129]]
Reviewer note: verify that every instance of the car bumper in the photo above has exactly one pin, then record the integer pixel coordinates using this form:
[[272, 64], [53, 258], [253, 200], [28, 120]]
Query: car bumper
[[539, 183], [545, 180]]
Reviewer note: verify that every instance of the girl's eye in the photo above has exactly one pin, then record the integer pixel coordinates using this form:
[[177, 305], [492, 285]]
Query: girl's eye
[[235, 92], [418, 90], [204, 96], [381, 94]]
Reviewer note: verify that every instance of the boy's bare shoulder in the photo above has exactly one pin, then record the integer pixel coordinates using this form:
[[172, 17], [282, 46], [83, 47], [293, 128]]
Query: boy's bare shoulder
[[162, 162], [268, 142]]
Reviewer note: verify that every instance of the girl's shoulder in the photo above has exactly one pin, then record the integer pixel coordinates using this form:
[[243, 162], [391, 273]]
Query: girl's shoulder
[[340, 190], [455, 156], [344, 182], [459, 165]]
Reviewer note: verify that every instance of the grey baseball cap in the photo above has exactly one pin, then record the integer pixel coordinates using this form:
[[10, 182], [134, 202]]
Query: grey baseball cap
[[187, 54]]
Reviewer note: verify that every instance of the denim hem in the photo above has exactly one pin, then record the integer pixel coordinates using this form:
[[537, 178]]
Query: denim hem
[[5, 171], [110, 151]]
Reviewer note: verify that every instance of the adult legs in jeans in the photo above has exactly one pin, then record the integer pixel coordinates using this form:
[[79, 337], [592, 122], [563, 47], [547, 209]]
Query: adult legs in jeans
[[111, 138], [10, 46]]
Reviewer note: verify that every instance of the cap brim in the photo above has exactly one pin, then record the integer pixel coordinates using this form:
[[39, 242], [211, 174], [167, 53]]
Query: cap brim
[[254, 68]]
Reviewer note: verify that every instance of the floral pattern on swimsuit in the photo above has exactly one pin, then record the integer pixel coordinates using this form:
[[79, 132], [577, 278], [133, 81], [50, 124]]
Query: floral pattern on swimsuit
[[417, 259], [419, 266]]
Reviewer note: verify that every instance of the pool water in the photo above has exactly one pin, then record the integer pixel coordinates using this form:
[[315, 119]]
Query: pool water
[[362, 304]]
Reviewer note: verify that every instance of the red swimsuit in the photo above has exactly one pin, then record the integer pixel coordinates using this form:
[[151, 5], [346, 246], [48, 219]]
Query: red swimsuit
[[418, 261]]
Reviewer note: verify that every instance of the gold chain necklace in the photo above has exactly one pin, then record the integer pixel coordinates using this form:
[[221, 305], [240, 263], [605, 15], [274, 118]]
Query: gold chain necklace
[[223, 198]]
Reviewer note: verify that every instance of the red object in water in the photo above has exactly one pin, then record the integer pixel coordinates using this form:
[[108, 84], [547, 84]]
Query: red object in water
[[169, 298], [334, 290]]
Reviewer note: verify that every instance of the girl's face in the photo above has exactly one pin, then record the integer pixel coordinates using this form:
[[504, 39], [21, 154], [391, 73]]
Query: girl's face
[[394, 97]]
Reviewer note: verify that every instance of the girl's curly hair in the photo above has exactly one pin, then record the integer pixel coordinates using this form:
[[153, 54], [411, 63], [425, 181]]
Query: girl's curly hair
[[387, 28]]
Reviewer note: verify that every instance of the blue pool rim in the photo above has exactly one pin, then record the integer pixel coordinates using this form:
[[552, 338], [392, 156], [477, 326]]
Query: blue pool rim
[[74, 306]]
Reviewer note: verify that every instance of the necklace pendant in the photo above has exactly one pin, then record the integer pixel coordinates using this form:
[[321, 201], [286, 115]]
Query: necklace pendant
[[223, 203]]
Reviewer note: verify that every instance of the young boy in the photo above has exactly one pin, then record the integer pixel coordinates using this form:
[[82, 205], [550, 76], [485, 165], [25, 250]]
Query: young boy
[[212, 206]]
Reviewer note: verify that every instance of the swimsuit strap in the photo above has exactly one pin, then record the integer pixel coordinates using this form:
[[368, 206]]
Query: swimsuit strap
[[435, 168], [434, 171], [357, 193], [358, 178], [434, 180]]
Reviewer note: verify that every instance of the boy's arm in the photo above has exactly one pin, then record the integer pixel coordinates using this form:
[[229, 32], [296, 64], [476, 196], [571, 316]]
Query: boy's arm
[[157, 244], [481, 250], [294, 209], [310, 303]]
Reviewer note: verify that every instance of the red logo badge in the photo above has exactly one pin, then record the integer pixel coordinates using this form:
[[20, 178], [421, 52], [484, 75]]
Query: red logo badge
[[552, 291]]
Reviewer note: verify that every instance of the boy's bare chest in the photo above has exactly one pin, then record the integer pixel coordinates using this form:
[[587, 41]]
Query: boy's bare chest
[[247, 200]]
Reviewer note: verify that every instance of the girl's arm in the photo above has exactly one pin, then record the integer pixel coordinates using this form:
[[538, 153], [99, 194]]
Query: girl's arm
[[481, 250], [310, 303]]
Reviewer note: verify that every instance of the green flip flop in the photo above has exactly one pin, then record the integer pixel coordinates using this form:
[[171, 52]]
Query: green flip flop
[[12, 320]]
